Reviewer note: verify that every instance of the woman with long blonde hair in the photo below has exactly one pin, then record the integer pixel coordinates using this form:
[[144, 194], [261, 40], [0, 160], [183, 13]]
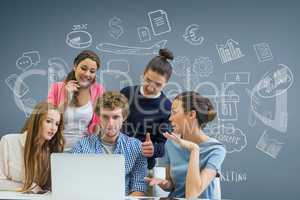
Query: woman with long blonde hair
[[25, 158]]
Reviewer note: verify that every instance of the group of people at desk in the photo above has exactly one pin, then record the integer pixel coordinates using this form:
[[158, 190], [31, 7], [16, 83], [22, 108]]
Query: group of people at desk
[[80, 117]]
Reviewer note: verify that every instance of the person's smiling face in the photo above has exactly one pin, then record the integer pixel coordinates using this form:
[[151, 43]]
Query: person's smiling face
[[85, 72]]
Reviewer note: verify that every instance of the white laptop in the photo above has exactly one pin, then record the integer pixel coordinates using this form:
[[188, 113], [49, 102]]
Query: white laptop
[[87, 176]]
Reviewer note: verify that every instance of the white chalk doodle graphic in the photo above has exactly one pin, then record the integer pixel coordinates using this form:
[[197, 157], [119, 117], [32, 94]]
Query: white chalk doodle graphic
[[172, 89], [233, 138], [237, 77], [192, 35], [144, 34], [203, 66], [121, 49], [25, 103], [227, 106], [251, 118], [181, 65], [263, 52], [118, 65], [251, 115], [79, 27], [269, 98], [109, 77], [115, 28], [268, 145], [275, 82], [233, 176], [28, 105], [79, 39], [192, 72], [28, 59], [57, 69], [271, 111], [11, 82], [229, 51], [159, 22], [208, 89]]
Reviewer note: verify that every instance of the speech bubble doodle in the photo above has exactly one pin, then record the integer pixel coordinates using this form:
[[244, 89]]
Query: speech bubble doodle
[[233, 138], [34, 56], [23, 63]]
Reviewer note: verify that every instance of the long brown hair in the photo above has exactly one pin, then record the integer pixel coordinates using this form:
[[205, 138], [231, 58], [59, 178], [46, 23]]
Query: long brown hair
[[71, 75], [37, 153]]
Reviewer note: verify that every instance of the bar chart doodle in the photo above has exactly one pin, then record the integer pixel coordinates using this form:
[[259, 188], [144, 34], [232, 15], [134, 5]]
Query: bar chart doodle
[[229, 52]]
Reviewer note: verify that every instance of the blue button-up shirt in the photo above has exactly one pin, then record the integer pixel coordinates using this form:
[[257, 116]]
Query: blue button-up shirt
[[131, 148]]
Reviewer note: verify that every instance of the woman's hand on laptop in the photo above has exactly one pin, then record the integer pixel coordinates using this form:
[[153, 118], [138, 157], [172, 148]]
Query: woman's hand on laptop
[[162, 183]]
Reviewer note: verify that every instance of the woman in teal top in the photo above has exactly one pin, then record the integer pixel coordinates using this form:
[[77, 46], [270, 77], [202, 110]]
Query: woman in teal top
[[192, 159]]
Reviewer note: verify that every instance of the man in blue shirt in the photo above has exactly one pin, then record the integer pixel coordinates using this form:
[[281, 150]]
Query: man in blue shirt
[[112, 108]]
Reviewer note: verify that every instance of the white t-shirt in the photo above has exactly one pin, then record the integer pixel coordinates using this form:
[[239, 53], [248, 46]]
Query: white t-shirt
[[11, 161], [76, 121]]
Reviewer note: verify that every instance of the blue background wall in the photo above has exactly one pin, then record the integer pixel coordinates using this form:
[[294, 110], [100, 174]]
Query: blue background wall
[[263, 160]]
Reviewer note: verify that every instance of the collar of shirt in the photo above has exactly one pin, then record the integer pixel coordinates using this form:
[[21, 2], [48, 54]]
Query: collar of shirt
[[118, 144], [149, 96]]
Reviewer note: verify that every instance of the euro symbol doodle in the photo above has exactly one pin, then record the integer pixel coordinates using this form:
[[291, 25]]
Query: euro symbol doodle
[[192, 35]]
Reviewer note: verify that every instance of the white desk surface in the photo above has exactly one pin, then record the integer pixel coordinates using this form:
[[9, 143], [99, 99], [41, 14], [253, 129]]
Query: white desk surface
[[15, 195]]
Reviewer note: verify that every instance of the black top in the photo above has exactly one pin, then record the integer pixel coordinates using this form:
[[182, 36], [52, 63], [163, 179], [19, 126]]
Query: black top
[[147, 115]]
